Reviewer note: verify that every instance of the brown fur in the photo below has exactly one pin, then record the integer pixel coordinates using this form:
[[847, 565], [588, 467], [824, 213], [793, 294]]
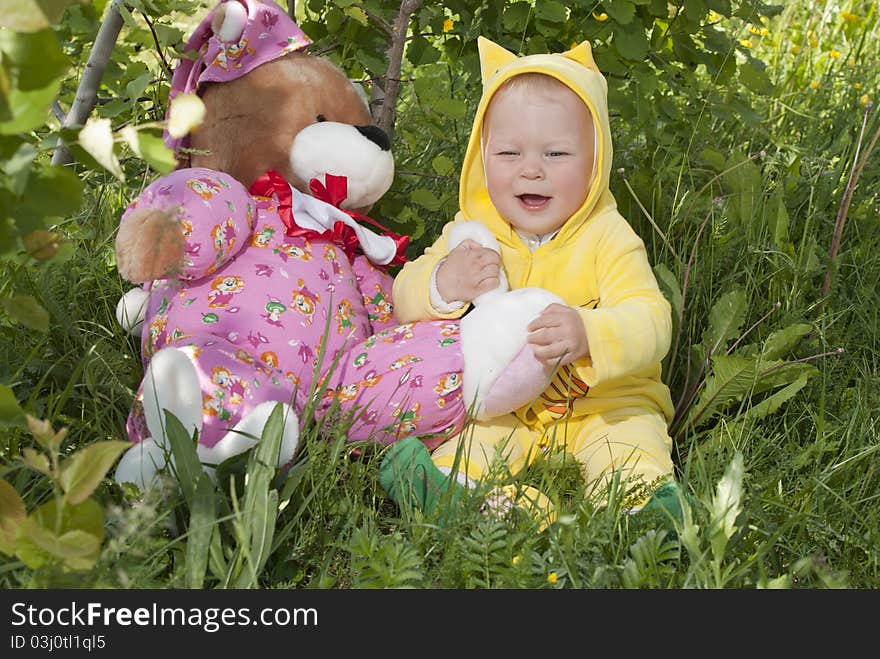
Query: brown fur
[[251, 121]]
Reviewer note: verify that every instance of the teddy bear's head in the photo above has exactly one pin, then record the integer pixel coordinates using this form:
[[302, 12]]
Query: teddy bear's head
[[271, 105]]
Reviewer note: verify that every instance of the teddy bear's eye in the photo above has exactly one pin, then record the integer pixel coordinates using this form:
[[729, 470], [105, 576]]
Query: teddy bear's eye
[[320, 118]]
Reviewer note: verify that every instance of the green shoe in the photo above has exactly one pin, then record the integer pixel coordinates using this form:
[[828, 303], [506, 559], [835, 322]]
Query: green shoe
[[411, 479], [666, 500]]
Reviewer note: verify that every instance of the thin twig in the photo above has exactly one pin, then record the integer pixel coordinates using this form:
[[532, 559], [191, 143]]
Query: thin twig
[[647, 214], [842, 211], [684, 287], [165, 64]]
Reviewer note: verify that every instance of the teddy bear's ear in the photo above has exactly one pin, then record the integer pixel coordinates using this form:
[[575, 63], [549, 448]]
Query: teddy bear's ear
[[229, 21], [492, 57]]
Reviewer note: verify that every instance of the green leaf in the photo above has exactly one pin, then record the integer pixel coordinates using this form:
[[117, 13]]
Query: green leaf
[[670, 288], [782, 341], [72, 538], [32, 15], [12, 514], [780, 222], [772, 403], [151, 148], [743, 181], [187, 112], [26, 310], [733, 378], [552, 11], [202, 519], [755, 78], [11, 414], [726, 506], [18, 167], [357, 14], [631, 43], [516, 16], [96, 137], [260, 508], [621, 11], [50, 192], [36, 59], [187, 466], [426, 199], [450, 107], [29, 109], [725, 320], [443, 165], [83, 471], [36, 461]]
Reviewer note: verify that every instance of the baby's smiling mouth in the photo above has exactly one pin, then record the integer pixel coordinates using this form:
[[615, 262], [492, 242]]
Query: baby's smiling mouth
[[533, 200]]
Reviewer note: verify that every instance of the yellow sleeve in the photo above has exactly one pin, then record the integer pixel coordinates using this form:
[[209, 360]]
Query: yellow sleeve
[[631, 329], [412, 285]]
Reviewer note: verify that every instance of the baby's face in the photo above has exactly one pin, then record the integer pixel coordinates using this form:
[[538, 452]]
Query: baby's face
[[538, 152]]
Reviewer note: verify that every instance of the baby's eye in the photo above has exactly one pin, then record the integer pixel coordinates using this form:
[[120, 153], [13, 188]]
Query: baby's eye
[[508, 153], [557, 154], [320, 118]]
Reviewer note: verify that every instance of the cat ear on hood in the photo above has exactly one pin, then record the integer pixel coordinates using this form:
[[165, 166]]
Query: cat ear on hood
[[582, 54], [492, 57]]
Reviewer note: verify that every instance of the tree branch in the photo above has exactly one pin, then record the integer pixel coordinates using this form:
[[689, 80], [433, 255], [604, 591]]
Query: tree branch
[[87, 92], [391, 89]]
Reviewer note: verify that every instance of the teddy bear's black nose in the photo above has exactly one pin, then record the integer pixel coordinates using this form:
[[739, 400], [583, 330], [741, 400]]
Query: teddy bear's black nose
[[376, 135]]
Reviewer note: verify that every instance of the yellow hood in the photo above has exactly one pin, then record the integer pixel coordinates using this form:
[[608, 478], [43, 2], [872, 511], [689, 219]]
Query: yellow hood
[[576, 69]]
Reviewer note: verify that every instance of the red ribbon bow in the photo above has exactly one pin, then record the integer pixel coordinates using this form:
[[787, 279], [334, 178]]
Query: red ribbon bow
[[334, 193]]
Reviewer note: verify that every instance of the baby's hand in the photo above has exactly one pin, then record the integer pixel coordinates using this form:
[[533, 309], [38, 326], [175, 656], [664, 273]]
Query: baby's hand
[[468, 271], [558, 335]]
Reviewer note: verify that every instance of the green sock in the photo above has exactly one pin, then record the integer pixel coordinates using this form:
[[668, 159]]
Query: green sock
[[412, 480]]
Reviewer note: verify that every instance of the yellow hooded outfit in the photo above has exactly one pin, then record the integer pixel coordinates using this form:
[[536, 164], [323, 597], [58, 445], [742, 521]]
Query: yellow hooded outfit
[[610, 409]]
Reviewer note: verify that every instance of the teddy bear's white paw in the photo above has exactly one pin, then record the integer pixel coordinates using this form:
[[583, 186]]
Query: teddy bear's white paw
[[141, 464], [131, 310], [171, 383], [500, 370], [247, 432]]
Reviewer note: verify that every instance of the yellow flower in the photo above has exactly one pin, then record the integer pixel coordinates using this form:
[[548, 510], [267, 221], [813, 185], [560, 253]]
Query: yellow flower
[[833, 54], [714, 16], [858, 86], [551, 578], [448, 24], [515, 560], [764, 20], [600, 17], [745, 43], [765, 31], [814, 84], [851, 18], [796, 49], [754, 30], [864, 99], [814, 42]]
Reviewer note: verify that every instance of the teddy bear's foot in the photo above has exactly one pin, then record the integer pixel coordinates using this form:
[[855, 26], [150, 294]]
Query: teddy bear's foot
[[501, 372], [141, 464], [131, 310], [247, 432], [171, 383]]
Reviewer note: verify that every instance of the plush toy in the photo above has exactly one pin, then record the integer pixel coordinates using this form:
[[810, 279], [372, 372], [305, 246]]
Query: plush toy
[[265, 282]]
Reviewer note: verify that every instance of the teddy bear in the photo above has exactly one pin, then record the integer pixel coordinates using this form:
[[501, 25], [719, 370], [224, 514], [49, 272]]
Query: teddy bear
[[265, 282]]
